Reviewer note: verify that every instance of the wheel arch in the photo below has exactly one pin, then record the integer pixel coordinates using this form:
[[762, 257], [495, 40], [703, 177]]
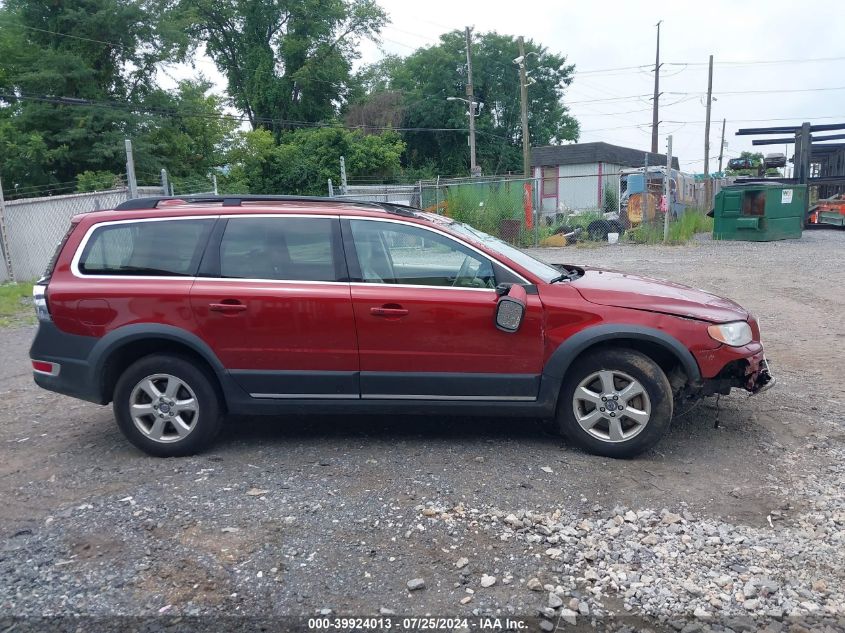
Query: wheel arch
[[663, 348], [122, 347]]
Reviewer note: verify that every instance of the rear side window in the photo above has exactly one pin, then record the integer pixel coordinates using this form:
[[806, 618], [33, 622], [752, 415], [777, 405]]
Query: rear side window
[[293, 249], [158, 248]]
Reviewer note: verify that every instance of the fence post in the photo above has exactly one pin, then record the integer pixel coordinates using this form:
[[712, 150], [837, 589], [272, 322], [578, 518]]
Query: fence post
[[214, 182], [130, 171], [331, 189], [164, 188], [4, 236], [343, 176], [667, 187]]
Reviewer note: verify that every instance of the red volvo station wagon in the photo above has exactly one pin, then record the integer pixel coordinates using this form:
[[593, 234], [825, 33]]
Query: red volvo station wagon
[[179, 311]]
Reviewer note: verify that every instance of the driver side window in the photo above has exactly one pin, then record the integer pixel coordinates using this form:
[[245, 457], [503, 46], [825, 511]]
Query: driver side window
[[393, 253]]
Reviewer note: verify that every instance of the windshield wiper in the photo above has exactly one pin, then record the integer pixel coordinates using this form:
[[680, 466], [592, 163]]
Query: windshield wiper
[[568, 275]]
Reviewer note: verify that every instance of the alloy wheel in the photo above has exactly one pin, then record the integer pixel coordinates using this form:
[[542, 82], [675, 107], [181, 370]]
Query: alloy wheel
[[164, 408], [611, 406]]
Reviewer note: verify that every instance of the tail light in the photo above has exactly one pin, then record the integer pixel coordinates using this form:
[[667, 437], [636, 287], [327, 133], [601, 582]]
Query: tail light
[[39, 297], [39, 290]]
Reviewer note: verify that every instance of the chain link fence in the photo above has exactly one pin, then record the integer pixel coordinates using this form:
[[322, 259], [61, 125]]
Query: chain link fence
[[32, 227], [503, 206], [167, 185], [626, 205], [398, 194], [34, 220]]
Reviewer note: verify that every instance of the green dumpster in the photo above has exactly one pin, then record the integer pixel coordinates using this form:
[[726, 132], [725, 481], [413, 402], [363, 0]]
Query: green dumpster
[[759, 212]]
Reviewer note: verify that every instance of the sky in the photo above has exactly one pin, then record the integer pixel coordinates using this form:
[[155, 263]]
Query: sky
[[754, 44]]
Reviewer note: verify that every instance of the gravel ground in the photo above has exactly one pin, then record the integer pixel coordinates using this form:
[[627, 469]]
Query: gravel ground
[[738, 527]]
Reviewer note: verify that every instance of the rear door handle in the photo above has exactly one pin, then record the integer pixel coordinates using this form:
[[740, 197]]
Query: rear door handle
[[388, 312], [227, 307]]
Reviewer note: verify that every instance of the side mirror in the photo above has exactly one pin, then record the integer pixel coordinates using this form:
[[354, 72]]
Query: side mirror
[[510, 308]]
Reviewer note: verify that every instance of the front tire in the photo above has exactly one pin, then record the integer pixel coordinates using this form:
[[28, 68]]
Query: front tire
[[167, 406], [615, 403]]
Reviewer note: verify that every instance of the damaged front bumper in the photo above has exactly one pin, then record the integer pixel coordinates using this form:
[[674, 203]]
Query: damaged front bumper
[[750, 373], [758, 376]]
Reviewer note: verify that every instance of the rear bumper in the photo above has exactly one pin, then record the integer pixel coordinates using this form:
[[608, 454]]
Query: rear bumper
[[71, 352]]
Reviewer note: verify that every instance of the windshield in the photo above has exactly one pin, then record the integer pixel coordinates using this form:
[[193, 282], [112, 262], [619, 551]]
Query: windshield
[[542, 270]]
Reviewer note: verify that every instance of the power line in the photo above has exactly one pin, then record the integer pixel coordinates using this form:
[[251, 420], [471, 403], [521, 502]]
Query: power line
[[66, 101], [608, 70], [75, 37], [698, 94], [748, 92], [717, 63], [627, 98], [761, 62]]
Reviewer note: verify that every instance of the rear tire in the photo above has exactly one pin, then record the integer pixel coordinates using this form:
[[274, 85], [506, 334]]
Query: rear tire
[[615, 403], [167, 406]]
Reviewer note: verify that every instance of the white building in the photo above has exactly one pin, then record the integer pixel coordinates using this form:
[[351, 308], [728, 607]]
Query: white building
[[574, 177]]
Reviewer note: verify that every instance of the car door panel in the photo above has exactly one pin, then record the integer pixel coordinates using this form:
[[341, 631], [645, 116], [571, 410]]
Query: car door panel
[[280, 338], [446, 344]]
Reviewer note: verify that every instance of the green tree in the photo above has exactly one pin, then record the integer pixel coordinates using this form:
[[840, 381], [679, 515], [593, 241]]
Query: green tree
[[306, 158], [57, 58], [189, 134], [96, 181], [430, 75], [25, 159], [285, 60]]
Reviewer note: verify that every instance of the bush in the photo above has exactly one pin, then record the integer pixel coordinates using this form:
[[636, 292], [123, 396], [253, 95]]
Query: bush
[[610, 201], [96, 181], [680, 231], [493, 207], [304, 160]]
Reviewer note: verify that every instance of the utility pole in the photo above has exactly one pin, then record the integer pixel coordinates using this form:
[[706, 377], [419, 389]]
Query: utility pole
[[722, 146], [708, 185], [523, 103], [130, 171], [654, 122], [667, 187], [473, 168]]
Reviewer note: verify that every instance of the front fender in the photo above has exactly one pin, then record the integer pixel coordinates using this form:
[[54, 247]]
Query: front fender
[[561, 359]]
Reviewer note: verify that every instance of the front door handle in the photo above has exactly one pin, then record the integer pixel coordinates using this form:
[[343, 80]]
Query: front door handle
[[389, 311], [227, 307]]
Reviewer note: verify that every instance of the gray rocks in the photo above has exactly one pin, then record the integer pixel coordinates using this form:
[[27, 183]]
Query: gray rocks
[[487, 581], [670, 518], [569, 616], [416, 584]]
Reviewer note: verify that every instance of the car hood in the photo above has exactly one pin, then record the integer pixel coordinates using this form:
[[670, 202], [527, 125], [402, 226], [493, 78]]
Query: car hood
[[623, 290]]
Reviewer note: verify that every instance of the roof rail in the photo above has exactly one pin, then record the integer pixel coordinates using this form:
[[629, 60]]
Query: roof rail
[[235, 200]]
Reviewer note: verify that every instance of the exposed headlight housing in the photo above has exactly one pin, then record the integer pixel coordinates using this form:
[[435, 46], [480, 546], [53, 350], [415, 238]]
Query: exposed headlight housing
[[735, 334]]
